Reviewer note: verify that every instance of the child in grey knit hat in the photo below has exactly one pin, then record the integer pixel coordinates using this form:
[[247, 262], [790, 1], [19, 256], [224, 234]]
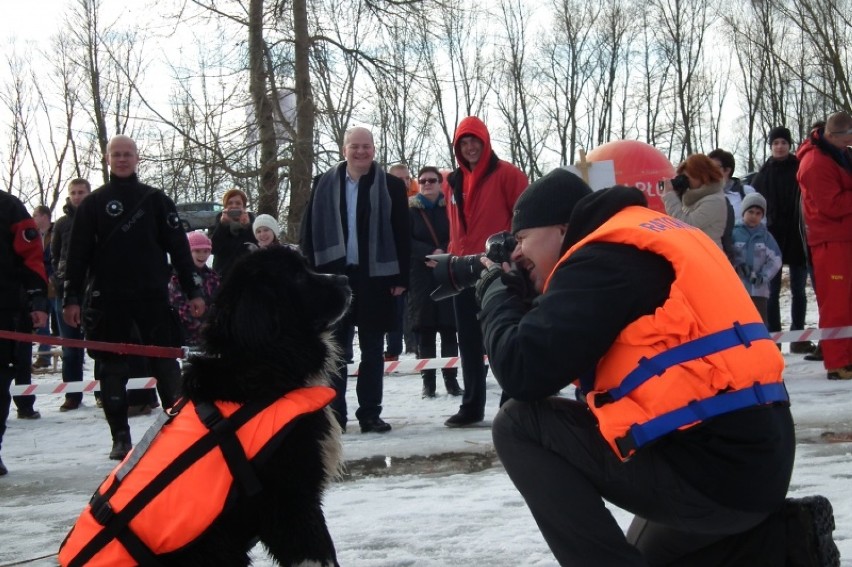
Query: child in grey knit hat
[[757, 256]]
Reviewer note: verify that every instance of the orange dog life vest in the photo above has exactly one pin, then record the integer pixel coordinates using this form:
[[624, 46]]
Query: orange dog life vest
[[145, 506], [703, 353]]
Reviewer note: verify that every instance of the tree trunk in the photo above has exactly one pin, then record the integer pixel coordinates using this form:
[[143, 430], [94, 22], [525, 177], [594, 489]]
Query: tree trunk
[[303, 145], [258, 87]]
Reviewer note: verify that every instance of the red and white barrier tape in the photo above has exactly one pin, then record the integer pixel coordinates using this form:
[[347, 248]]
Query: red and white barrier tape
[[74, 387], [412, 366], [813, 335]]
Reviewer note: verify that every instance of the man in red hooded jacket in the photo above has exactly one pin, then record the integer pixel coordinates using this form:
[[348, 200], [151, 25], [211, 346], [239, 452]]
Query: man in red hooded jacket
[[825, 177], [481, 195]]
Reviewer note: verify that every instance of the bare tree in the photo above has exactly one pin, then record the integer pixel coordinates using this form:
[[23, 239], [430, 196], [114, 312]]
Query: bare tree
[[516, 97], [615, 36], [15, 100], [567, 67], [682, 29], [456, 68]]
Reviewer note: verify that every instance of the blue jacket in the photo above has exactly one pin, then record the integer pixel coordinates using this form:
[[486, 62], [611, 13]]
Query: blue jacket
[[757, 258]]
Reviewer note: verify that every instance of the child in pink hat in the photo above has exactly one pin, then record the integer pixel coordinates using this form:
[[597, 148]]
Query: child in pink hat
[[201, 248]]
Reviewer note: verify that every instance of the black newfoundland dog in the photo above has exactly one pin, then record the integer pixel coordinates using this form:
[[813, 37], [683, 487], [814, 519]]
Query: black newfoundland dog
[[261, 443]]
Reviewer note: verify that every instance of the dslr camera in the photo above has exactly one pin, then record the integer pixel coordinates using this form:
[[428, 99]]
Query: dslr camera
[[456, 273], [679, 183]]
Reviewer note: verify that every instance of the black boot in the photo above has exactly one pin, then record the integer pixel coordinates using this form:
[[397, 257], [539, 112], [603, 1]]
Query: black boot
[[452, 384], [428, 383], [3, 469], [120, 445], [802, 347], [810, 521]]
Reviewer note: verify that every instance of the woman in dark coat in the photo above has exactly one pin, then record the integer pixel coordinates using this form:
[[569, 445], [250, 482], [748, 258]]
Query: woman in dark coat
[[430, 234]]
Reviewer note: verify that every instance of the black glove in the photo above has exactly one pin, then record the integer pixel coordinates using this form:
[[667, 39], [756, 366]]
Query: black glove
[[743, 270], [486, 278], [518, 282], [756, 279]]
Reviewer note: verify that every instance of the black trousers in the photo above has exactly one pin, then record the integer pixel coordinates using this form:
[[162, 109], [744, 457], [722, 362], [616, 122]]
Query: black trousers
[[565, 471], [472, 352], [149, 322], [7, 368]]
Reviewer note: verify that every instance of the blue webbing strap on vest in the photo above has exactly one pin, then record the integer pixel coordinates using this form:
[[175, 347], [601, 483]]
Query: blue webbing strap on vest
[[757, 395], [647, 368]]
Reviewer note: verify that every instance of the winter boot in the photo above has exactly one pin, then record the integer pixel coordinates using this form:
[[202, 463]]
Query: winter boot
[[810, 521], [3, 469], [120, 445], [802, 347], [451, 383], [844, 373], [428, 384], [816, 355]]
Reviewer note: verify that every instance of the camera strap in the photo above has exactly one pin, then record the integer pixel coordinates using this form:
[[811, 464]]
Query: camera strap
[[431, 229]]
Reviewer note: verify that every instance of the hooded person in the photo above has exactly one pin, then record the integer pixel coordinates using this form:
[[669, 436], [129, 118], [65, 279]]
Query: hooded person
[[696, 439], [480, 195]]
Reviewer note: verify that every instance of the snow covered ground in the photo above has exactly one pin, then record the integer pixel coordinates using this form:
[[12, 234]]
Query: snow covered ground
[[456, 508]]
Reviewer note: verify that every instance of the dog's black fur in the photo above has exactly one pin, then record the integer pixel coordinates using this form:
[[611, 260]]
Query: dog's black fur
[[268, 333]]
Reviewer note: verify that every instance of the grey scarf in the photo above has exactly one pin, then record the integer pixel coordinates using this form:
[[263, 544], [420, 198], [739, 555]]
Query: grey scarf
[[327, 226]]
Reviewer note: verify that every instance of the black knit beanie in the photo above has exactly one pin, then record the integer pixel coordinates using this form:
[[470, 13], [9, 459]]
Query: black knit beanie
[[549, 200], [780, 132]]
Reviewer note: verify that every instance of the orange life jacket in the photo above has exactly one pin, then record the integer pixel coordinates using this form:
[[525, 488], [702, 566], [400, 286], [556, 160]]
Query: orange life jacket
[[703, 353], [161, 499]]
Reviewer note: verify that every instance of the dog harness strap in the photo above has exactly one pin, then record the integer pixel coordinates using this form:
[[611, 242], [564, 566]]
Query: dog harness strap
[[137, 549], [226, 435], [140, 448], [116, 522]]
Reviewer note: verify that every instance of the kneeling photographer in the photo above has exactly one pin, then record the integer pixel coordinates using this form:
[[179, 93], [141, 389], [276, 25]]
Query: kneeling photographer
[[686, 421]]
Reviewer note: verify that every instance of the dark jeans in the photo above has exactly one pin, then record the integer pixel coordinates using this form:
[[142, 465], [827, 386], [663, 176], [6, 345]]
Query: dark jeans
[[472, 352], [394, 338], [44, 349], [799, 305], [556, 457], [370, 381], [72, 358], [427, 348]]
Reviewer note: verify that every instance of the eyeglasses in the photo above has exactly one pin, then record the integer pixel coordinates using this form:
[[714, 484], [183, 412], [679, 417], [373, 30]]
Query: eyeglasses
[[427, 181], [120, 155], [843, 132]]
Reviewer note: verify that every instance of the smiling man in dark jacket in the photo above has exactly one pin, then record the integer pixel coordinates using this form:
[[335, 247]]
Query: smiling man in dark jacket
[[122, 239], [356, 224], [685, 420]]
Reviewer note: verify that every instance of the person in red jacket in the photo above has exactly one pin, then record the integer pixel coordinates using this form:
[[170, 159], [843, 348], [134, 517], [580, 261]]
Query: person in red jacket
[[825, 177], [480, 194]]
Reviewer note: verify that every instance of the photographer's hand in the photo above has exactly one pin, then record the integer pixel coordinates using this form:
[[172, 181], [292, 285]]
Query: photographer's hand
[[488, 276], [518, 282]]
